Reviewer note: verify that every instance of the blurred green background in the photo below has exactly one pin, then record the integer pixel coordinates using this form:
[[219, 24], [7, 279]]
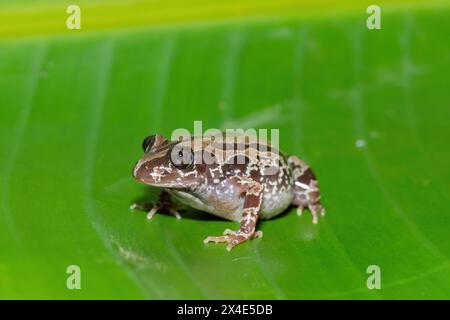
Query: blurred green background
[[368, 109]]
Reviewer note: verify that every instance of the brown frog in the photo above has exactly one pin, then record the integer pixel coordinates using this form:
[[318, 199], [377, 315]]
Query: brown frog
[[234, 177]]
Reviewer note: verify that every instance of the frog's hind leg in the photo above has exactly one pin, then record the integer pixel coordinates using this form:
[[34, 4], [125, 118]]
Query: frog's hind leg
[[306, 193]]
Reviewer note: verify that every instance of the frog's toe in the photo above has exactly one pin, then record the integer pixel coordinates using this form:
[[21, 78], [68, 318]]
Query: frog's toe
[[141, 206], [149, 207], [315, 218], [218, 239], [232, 244], [175, 213], [152, 212], [316, 209], [322, 212], [258, 234]]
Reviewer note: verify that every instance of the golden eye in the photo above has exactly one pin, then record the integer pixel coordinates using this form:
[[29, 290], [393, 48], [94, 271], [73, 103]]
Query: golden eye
[[181, 157]]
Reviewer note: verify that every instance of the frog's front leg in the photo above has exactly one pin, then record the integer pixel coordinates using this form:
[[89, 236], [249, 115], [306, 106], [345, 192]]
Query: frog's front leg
[[162, 204], [253, 192]]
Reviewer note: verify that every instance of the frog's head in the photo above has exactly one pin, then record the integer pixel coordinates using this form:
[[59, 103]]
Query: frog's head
[[166, 164]]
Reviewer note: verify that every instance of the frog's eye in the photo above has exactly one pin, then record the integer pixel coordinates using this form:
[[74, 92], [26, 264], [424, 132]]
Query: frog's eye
[[182, 157], [148, 143]]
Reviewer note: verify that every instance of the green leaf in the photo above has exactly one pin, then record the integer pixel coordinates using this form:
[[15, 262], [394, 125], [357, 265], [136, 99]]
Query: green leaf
[[367, 109]]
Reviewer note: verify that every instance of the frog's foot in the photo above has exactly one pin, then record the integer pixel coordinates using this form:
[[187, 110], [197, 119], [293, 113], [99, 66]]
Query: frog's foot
[[233, 238], [315, 209], [163, 204]]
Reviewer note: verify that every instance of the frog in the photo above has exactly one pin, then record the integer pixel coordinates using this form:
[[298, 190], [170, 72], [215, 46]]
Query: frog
[[232, 177]]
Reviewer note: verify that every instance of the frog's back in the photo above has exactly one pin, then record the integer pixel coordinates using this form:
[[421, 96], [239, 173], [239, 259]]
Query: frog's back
[[238, 155]]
